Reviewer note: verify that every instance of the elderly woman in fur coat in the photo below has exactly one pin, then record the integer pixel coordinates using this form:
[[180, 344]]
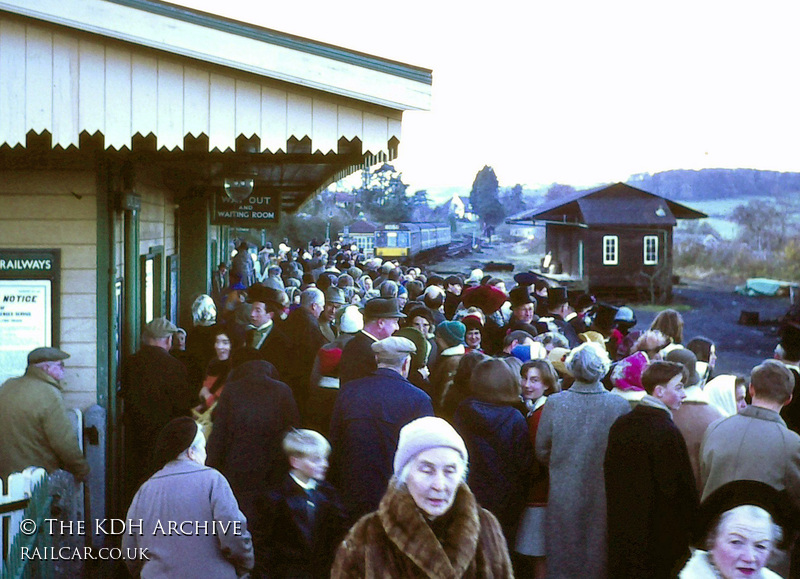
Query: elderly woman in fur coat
[[428, 523], [572, 439]]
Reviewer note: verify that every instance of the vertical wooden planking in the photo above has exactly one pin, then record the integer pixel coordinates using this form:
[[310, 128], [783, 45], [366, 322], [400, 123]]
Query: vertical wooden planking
[[170, 105], [351, 123], [273, 119], [376, 133], [144, 88], [65, 90], [92, 86], [395, 128], [12, 87], [222, 114], [325, 130], [248, 108], [38, 79], [298, 116], [118, 98], [195, 106]]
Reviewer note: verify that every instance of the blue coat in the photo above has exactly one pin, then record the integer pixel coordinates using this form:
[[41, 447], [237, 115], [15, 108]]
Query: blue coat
[[501, 458], [365, 426]]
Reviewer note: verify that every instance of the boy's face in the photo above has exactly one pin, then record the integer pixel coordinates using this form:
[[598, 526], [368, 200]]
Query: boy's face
[[310, 466], [672, 393]]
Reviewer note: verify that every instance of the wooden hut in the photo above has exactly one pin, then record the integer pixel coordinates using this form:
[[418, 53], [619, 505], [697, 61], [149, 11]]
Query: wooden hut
[[615, 238]]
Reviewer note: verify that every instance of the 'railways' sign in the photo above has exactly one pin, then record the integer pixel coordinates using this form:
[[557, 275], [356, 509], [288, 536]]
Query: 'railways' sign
[[259, 210]]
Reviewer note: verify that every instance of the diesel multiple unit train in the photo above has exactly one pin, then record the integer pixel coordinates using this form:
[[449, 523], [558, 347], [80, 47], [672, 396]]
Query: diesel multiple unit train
[[410, 241]]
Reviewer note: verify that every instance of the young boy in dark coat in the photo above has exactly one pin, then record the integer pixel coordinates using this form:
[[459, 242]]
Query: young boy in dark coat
[[650, 490], [301, 522]]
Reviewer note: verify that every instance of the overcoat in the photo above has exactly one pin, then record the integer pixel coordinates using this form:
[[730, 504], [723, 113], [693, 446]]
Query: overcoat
[[501, 458], [397, 542], [36, 429], [571, 440], [365, 427], [250, 419], [651, 494], [693, 419], [292, 540], [752, 445], [187, 494], [358, 359], [155, 388]]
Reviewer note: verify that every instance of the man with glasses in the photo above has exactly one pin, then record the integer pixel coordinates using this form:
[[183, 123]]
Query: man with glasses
[[36, 428]]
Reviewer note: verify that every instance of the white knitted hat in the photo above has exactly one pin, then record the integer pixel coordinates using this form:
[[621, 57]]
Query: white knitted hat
[[423, 434]]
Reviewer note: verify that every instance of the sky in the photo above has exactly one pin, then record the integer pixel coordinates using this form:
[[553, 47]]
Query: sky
[[577, 92]]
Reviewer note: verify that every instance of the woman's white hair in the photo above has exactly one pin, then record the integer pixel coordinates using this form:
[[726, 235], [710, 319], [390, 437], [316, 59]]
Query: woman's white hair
[[588, 362], [751, 511], [204, 312]]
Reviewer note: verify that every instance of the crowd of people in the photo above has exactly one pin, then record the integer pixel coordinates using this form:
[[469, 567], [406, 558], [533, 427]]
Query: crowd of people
[[472, 430]]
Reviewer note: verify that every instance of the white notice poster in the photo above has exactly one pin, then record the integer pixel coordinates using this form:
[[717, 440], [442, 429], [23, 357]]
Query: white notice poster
[[25, 322]]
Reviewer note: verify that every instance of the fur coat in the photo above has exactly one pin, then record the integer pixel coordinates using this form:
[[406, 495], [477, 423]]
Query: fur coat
[[396, 541]]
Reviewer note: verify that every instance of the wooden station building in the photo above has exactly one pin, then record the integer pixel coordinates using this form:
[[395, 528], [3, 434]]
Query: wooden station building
[[127, 127], [610, 239]]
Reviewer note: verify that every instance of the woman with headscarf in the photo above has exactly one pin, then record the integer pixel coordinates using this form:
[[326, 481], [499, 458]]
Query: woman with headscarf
[[217, 370], [571, 440], [214, 542], [428, 523], [497, 437]]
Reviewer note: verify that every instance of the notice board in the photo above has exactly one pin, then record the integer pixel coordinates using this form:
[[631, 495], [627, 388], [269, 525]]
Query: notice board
[[29, 298]]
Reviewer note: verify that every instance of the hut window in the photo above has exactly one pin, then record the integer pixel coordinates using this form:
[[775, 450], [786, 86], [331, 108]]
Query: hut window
[[650, 249], [610, 250]]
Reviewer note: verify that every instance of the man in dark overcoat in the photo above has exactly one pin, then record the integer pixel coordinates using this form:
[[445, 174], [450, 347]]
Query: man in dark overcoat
[[252, 415], [303, 340], [650, 488], [155, 388], [381, 317], [366, 423]]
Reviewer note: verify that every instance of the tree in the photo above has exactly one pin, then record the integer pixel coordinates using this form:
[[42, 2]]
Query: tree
[[762, 227], [382, 195], [558, 191], [484, 197], [513, 201]]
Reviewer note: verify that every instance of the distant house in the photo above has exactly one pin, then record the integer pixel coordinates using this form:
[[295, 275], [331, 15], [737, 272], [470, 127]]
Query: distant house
[[615, 237], [362, 233]]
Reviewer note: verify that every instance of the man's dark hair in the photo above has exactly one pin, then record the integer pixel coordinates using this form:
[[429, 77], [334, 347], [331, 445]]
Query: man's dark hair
[[773, 381], [658, 373]]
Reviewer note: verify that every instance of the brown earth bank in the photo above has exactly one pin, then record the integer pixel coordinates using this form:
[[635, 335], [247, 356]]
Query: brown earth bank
[[709, 309]]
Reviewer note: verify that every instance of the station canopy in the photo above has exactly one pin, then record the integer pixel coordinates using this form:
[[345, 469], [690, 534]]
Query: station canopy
[[201, 97]]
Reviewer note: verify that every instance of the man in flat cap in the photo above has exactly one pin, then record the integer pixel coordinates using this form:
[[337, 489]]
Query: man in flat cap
[[334, 299], [36, 428], [155, 388], [366, 423], [381, 317]]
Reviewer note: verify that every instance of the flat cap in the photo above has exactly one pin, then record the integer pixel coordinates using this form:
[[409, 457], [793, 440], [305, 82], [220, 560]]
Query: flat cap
[[393, 346], [46, 355], [160, 328]]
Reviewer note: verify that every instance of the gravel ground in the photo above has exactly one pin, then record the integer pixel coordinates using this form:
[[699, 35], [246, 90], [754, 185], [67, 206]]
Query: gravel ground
[[708, 310]]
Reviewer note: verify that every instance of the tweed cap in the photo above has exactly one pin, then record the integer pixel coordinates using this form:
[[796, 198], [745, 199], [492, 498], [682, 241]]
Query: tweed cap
[[334, 295], [40, 355], [423, 434], [393, 346], [160, 328]]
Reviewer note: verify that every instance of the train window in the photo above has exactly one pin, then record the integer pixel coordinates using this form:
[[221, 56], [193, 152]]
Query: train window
[[610, 250], [391, 239], [402, 239], [380, 238]]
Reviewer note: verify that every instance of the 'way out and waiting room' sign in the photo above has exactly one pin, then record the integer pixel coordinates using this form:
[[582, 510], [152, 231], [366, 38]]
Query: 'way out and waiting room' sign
[[260, 209]]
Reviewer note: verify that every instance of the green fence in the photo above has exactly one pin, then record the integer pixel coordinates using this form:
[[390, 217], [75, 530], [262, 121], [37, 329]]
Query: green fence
[[27, 557]]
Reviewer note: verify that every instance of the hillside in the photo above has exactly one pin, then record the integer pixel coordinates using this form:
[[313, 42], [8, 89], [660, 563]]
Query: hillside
[[708, 184]]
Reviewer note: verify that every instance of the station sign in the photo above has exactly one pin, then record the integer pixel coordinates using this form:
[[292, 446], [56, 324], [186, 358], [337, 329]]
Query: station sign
[[260, 209]]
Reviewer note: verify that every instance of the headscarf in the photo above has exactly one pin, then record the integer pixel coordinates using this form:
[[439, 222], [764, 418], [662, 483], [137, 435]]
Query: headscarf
[[721, 392]]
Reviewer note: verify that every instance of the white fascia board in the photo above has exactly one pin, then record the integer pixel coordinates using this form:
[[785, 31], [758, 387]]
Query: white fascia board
[[229, 50]]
